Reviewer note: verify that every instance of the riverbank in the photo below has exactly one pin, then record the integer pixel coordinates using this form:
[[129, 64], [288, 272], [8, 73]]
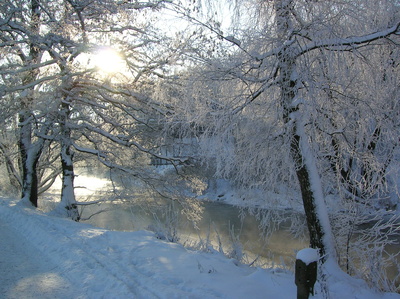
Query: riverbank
[[99, 263]]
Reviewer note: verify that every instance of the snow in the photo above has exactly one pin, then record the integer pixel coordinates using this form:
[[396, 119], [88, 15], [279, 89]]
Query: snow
[[350, 42], [232, 39], [308, 255], [24, 273], [49, 257]]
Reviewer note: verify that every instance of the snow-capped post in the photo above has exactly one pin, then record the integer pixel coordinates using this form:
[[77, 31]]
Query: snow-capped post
[[306, 272]]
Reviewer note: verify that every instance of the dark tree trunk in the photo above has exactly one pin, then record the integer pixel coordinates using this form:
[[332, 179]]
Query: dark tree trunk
[[30, 180], [33, 196], [29, 160], [313, 222]]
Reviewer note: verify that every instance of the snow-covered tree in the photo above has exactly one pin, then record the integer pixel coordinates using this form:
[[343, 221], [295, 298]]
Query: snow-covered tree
[[305, 90], [20, 29], [66, 97]]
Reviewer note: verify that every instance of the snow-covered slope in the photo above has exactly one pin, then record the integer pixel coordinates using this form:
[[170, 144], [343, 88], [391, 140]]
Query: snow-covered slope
[[97, 263]]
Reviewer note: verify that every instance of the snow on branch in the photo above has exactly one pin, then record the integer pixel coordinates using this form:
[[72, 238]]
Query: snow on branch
[[129, 4], [123, 141], [13, 71], [39, 81], [349, 43], [88, 150], [30, 84], [233, 40]]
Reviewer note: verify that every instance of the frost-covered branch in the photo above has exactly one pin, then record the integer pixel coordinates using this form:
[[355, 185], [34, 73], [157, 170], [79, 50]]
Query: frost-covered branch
[[349, 43], [121, 140]]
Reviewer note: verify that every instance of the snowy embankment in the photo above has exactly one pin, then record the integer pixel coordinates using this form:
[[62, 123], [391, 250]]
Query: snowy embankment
[[98, 263]]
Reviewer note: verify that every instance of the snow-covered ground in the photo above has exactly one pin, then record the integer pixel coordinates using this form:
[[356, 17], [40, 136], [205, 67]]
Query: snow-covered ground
[[49, 257]]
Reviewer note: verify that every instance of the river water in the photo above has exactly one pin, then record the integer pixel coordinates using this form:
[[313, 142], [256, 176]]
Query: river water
[[223, 227]]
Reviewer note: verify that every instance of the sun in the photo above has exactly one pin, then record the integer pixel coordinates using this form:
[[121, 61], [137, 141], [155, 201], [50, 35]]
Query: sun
[[109, 61]]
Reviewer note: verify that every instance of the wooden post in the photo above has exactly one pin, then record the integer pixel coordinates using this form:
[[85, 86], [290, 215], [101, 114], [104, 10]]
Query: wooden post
[[306, 272]]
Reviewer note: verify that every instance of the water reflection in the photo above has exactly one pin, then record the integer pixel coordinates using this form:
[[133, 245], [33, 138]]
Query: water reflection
[[223, 226]]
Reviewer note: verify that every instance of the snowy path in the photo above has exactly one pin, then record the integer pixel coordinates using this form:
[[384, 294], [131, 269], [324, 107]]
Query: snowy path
[[43, 258], [50, 257], [26, 274]]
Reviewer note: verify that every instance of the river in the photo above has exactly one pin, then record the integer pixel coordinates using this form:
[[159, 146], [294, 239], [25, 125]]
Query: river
[[222, 226]]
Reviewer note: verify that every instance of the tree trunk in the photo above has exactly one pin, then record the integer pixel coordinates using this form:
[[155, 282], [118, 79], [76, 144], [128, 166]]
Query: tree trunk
[[30, 188], [314, 225], [67, 192], [30, 153], [30, 179], [305, 164], [68, 201], [29, 160]]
